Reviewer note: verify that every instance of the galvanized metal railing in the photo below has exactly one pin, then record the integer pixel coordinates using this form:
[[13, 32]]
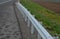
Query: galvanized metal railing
[[42, 33]]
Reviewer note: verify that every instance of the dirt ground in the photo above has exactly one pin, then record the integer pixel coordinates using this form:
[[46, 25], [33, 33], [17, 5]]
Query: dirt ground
[[52, 6]]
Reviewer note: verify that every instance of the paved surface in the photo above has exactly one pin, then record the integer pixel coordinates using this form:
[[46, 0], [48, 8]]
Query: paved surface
[[9, 28]]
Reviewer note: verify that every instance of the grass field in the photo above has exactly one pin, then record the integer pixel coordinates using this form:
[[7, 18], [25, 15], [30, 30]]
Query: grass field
[[50, 20]]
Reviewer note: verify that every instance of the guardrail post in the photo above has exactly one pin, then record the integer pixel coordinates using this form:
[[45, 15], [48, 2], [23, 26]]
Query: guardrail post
[[32, 29], [28, 23], [56, 37], [39, 37], [26, 18]]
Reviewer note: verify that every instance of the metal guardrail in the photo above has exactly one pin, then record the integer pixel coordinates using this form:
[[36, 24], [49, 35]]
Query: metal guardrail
[[42, 33]]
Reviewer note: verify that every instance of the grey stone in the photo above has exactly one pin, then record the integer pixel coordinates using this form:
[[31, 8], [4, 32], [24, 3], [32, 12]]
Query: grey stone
[[9, 28]]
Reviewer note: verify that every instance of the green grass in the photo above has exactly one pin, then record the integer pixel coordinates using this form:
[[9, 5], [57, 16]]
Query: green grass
[[50, 20]]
